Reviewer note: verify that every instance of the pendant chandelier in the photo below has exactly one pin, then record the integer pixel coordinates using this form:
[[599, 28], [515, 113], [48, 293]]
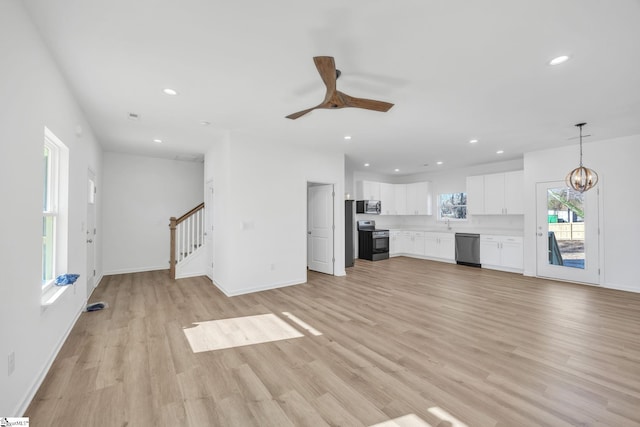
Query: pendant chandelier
[[582, 178]]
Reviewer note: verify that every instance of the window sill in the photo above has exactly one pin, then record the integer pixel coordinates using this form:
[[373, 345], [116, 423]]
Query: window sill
[[51, 294]]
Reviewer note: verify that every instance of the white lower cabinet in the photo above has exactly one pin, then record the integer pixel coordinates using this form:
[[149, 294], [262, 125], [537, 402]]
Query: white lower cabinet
[[417, 243], [423, 244], [394, 242], [440, 245], [501, 252]]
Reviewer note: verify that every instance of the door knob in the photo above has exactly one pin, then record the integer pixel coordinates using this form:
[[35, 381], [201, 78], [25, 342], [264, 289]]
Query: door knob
[[89, 241], [308, 232], [539, 234]]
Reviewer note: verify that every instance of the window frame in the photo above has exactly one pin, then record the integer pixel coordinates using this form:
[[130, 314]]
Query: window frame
[[55, 205], [439, 207], [50, 205]]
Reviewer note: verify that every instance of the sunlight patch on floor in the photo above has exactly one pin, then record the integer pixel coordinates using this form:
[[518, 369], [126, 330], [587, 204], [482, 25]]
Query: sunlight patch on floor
[[303, 325], [411, 420], [238, 331], [445, 416]]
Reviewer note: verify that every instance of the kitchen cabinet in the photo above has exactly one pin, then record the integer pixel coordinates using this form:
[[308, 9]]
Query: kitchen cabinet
[[514, 193], [406, 243], [417, 243], [475, 195], [440, 245], [501, 252], [395, 243], [397, 199], [400, 198], [496, 194], [418, 198], [388, 199], [367, 190]]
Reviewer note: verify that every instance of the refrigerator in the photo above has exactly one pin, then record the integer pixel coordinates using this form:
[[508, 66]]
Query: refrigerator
[[349, 225]]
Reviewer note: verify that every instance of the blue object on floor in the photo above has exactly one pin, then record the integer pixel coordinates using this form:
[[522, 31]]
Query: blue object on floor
[[95, 306], [66, 279]]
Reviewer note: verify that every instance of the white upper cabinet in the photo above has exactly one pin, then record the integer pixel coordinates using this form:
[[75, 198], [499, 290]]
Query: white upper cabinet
[[513, 192], [496, 194], [388, 199], [419, 198], [475, 195], [367, 190], [401, 198], [397, 199]]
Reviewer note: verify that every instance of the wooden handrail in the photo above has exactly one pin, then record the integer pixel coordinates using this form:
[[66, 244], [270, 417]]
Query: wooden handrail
[[173, 223], [188, 214]]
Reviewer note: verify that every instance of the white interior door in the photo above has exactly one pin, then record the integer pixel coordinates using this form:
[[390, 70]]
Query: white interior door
[[320, 228], [567, 233], [208, 233], [91, 233]]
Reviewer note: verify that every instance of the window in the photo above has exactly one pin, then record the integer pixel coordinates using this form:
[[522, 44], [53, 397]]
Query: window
[[49, 212], [452, 206], [54, 208]]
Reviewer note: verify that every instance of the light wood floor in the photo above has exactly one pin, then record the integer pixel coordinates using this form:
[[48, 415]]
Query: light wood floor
[[399, 337]]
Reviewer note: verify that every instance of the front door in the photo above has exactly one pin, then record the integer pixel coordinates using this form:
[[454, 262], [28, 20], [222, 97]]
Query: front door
[[567, 233], [320, 228]]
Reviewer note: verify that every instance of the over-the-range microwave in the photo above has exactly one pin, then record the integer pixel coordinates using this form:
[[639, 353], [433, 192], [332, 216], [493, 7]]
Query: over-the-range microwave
[[372, 207]]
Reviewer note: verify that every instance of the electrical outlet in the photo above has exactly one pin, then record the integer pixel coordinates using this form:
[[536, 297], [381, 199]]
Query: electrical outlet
[[12, 362]]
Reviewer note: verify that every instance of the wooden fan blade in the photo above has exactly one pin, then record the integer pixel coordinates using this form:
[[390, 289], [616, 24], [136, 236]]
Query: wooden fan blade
[[303, 112], [300, 113], [327, 68], [368, 104]]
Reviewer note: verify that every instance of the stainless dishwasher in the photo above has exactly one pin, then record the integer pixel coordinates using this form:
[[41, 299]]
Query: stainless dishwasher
[[468, 249]]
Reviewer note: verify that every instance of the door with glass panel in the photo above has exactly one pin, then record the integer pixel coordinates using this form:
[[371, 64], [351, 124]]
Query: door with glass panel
[[567, 233]]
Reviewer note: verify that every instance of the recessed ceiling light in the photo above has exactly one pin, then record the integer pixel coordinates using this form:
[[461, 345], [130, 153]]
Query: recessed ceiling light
[[170, 91], [347, 137], [396, 170], [499, 151], [559, 60], [439, 163], [473, 141], [159, 141], [134, 116], [366, 165], [205, 123]]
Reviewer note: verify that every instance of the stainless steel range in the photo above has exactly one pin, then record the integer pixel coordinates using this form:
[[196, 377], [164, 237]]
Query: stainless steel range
[[373, 243]]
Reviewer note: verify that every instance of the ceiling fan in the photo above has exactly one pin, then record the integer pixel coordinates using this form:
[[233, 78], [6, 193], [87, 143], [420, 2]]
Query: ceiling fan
[[334, 98]]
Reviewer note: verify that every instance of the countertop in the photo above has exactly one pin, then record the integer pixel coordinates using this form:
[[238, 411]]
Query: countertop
[[443, 229]]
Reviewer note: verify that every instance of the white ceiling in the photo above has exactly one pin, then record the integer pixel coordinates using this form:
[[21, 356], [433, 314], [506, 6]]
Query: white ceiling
[[455, 69]]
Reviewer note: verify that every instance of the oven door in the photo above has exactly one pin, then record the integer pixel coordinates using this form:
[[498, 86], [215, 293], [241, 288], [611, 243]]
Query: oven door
[[380, 244]]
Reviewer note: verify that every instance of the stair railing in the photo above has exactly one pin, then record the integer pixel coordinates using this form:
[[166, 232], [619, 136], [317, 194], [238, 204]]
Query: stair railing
[[187, 235]]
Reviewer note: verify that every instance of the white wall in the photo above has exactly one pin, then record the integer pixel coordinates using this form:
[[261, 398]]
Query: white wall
[[140, 194], [615, 161], [260, 215], [34, 95]]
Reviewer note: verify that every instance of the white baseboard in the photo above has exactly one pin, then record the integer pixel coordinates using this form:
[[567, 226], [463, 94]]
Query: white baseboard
[[187, 275], [620, 287], [249, 290], [135, 270]]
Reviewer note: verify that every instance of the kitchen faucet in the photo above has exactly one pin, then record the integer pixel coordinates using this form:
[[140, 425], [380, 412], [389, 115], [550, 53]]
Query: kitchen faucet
[[448, 225]]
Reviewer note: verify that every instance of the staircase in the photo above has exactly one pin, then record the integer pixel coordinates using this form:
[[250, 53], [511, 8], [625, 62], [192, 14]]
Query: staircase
[[187, 241]]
